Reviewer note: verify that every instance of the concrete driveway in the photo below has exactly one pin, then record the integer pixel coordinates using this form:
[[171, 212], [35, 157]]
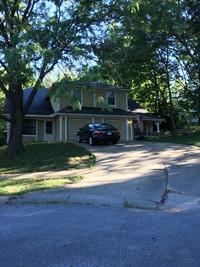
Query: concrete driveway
[[157, 176]]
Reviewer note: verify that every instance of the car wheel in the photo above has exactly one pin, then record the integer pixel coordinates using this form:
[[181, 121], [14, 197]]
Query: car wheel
[[91, 141], [79, 139], [114, 142]]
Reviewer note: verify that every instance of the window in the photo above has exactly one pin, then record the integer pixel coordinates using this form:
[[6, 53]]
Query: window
[[49, 127], [77, 95], [29, 127], [111, 98]]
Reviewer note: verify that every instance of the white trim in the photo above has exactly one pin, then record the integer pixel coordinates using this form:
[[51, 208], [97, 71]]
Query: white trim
[[95, 104], [58, 104], [44, 131], [127, 130], [61, 127], [66, 125], [40, 116], [126, 102], [131, 125], [8, 132], [92, 115], [36, 131]]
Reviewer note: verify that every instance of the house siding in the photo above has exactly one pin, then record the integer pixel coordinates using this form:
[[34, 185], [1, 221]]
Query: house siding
[[28, 138], [87, 99], [121, 100], [64, 102], [57, 130], [40, 131]]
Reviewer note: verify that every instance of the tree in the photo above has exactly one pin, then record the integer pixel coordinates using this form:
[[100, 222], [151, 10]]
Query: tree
[[155, 51], [34, 36]]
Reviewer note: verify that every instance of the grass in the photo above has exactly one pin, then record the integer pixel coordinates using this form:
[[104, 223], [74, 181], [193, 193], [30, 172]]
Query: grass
[[39, 157], [187, 136], [13, 187]]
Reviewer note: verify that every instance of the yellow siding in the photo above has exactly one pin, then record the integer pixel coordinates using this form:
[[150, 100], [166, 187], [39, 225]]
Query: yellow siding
[[40, 131], [121, 100], [64, 102], [87, 98], [55, 104], [57, 129], [28, 138], [120, 125], [74, 125]]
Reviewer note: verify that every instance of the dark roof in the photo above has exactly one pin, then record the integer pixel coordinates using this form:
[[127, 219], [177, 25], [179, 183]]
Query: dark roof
[[91, 110], [94, 85], [132, 105], [41, 104]]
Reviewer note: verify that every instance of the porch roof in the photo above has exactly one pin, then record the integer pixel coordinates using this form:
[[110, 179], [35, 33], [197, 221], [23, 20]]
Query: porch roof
[[95, 111]]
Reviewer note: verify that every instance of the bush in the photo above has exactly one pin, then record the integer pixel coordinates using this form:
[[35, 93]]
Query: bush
[[2, 138]]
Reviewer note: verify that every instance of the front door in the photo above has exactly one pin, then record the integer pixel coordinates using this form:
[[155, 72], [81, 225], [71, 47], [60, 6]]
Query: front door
[[48, 131]]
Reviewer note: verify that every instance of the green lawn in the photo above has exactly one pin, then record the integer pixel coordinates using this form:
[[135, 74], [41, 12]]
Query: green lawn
[[187, 136], [40, 157], [12, 187]]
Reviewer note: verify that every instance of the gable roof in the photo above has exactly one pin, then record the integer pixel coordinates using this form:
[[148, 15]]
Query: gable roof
[[101, 86], [91, 85], [134, 107], [41, 104]]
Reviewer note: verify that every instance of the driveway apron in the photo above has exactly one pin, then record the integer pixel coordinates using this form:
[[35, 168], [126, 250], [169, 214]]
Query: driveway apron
[[144, 175]]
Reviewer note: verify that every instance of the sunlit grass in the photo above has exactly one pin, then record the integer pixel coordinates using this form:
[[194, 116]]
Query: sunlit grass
[[187, 136], [11, 187], [39, 157]]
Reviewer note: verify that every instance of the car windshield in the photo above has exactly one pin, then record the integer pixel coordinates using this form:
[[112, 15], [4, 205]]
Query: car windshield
[[104, 127]]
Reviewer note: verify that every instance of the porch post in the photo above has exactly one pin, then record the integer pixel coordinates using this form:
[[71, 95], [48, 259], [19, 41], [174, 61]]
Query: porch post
[[66, 126], [158, 126], [61, 127], [8, 132], [127, 129], [36, 134]]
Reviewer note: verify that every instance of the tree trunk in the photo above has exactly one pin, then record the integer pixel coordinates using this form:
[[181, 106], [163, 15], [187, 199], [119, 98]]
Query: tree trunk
[[15, 100], [15, 145]]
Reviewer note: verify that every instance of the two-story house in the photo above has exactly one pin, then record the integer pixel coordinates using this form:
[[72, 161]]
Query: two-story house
[[50, 119]]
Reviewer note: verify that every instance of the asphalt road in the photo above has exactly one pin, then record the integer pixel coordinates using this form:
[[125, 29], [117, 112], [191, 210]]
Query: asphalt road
[[94, 228], [97, 236]]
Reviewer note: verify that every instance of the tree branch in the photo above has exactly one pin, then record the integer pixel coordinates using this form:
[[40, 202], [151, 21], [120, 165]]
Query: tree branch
[[4, 34], [5, 118], [29, 9], [3, 88]]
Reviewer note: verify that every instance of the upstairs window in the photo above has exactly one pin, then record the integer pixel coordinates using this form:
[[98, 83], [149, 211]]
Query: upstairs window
[[111, 98], [76, 100], [77, 95], [29, 127]]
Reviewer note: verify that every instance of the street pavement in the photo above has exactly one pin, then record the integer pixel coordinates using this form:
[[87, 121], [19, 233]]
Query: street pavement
[[139, 206], [140, 175]]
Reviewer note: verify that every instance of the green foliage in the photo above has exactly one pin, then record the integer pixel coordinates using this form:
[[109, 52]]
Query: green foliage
[[2, 122], [36, 35], [155, 51], [103, 104], [187, 135]]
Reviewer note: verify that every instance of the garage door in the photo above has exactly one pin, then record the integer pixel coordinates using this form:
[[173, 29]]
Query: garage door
[[74, 125], [120, 125]]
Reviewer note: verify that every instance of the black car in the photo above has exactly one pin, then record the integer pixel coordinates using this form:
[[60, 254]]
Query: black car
[[98, 132]]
